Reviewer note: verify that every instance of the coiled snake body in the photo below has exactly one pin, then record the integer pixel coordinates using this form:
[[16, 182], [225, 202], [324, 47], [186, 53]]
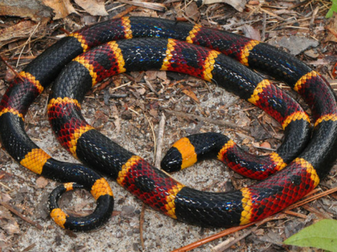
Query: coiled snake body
[[302, 160]]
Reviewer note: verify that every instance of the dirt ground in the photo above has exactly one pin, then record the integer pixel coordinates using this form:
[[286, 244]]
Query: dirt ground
[[129, 109]]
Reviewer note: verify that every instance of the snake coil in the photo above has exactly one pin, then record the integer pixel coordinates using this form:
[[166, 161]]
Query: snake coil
[[302, 160]]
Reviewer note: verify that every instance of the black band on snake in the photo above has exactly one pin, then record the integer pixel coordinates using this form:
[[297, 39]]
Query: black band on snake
[[301, 161]]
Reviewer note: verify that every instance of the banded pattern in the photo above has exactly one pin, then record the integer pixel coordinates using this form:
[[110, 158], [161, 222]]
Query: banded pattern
[[150, 184], [312, 160]]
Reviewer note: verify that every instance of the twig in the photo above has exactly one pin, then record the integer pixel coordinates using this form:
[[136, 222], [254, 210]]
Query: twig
[[273, 14], [11, 68], [212, 237], [27, 41], [28, 57], [115, 8], [152, 6], [160, 135], [317, 212], [299, 215], [20, 215], [141, 223], [200, 118], [150, 86], [264, 25], [123, 13], [152, 130], [8, 188], [29, 248], [223, 245], [123, 85], [230, 242]]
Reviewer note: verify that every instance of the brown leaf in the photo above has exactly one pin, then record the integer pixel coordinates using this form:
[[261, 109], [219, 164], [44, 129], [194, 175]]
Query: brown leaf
[[9, 75], [332, 29], [41, 182], [17, 31], [11, 228], [4, 197], [5, 213], [7, 222], [25, 8], [237, 4], [100, 119], [93, 7], [265, 145], [153, 113], [192, 11], [251, 32], [191, 94], [141, 90], [151, 75], [162, 75], [61, 8]]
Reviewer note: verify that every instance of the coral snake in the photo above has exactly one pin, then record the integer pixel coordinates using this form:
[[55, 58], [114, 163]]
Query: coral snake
[[304, 158]]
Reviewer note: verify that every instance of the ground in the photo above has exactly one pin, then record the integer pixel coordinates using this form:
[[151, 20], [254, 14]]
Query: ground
[[129, 109]]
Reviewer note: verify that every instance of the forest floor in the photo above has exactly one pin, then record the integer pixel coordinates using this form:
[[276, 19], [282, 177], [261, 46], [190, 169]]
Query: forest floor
[[128, 109]]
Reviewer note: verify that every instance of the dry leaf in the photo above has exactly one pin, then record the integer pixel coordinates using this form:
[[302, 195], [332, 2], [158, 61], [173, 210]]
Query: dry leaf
[[41, 182], [17, 31], [61, 8], [101, 117], [153, 113], [239, 5], [191, 94], [11, 228], [151, 75], [332, 29], [141, 91], [250, 32], [32, 9], [192, 11], [162, 75], [151, 6], [265, 145], [5, 213], [4, 197], [7, 222], [93, 7]]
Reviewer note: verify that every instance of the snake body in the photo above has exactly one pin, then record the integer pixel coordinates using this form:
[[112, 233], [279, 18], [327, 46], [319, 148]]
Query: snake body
[[300, 171]]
